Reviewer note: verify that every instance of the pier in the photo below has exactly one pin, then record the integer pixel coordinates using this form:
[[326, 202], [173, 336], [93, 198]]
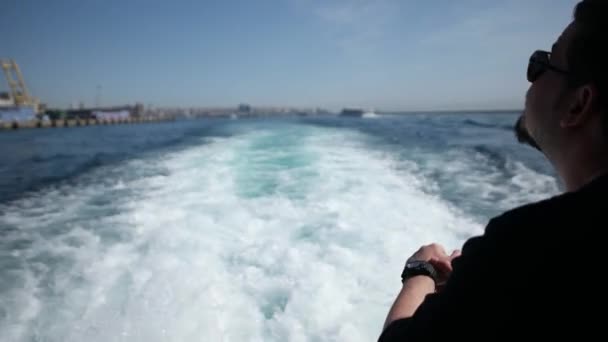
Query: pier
[[33, 124]]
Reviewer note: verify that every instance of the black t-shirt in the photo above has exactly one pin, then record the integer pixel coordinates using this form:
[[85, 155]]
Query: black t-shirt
[[537, 272]]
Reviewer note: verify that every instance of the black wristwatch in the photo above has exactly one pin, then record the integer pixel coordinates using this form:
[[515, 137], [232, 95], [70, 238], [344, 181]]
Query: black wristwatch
[[417, 268]]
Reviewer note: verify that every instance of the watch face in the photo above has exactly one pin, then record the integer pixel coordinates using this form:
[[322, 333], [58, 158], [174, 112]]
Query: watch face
[[418, 267], [415, 264]]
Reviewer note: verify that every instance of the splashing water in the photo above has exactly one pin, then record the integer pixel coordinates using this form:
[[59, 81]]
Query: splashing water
[[283, 231]]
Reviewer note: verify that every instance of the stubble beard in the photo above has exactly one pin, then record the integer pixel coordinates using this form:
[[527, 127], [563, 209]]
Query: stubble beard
[[522, 134]]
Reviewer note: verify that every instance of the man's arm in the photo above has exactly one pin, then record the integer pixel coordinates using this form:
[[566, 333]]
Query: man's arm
[[415, 289], [409, 299], [478, 285]]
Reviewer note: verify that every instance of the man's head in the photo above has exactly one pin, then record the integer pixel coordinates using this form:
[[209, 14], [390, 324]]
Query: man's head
[[567, 102]]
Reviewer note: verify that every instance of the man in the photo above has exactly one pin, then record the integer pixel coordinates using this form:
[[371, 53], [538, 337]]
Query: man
[[535, 271]]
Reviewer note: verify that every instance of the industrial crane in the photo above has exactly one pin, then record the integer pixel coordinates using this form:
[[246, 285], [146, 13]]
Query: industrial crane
[[18, 90]]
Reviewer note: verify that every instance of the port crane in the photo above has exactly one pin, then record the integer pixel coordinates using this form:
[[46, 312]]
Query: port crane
[[16, 84]]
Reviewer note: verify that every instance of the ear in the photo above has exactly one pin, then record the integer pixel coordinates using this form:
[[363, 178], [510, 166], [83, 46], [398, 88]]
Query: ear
[[581, 108]]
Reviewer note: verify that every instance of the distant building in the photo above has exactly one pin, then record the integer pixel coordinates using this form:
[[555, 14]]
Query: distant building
[[17, 114], [244, 108], [109, 115], [138, 111], [74, 114]]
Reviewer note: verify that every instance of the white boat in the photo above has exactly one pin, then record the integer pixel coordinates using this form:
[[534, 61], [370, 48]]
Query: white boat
[[370, 114]]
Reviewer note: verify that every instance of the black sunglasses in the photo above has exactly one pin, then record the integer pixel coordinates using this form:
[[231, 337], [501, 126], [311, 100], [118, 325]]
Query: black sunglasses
[[540, 62]]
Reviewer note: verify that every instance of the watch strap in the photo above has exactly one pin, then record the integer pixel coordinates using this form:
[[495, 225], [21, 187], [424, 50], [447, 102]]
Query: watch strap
[[418, 268]]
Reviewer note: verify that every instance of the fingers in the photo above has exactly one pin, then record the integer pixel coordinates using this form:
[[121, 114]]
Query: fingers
[[438, 248], [445, 264], [434, 251], [428, 252], [441, 261], [455, 254], [441, 265]]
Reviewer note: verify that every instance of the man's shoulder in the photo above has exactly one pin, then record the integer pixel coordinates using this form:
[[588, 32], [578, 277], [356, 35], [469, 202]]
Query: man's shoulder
[[533, 211], [560, 206], [584, 205], [515, 236]]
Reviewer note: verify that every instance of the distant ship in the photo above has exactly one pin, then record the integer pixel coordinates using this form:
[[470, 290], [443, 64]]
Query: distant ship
[[351, 112], [370, 114], [358, 113]]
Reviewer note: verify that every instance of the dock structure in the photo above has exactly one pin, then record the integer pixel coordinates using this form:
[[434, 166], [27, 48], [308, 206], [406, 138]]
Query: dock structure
[[32, 124], [20, 110]]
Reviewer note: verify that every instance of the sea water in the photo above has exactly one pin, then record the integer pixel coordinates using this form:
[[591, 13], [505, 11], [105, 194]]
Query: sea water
[[284, 229]]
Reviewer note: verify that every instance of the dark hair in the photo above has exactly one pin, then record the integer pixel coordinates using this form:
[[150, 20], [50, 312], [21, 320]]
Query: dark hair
[[588, 51]]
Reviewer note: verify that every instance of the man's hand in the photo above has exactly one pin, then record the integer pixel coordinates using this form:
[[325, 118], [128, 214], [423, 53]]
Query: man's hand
[[436, 255], [417, 288]]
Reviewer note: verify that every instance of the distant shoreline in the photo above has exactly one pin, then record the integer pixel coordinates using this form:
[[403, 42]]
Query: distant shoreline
[[477, 111]]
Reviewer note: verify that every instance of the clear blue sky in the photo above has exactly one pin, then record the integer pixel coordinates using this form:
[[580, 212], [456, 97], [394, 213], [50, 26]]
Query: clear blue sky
[[388, 54]]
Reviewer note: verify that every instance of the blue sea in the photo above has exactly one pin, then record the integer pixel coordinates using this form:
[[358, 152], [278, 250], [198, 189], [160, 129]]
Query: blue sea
[[267, 229]]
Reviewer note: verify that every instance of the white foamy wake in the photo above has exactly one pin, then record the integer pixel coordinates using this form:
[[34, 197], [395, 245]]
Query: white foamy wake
[[481, 186], [293, 234]]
